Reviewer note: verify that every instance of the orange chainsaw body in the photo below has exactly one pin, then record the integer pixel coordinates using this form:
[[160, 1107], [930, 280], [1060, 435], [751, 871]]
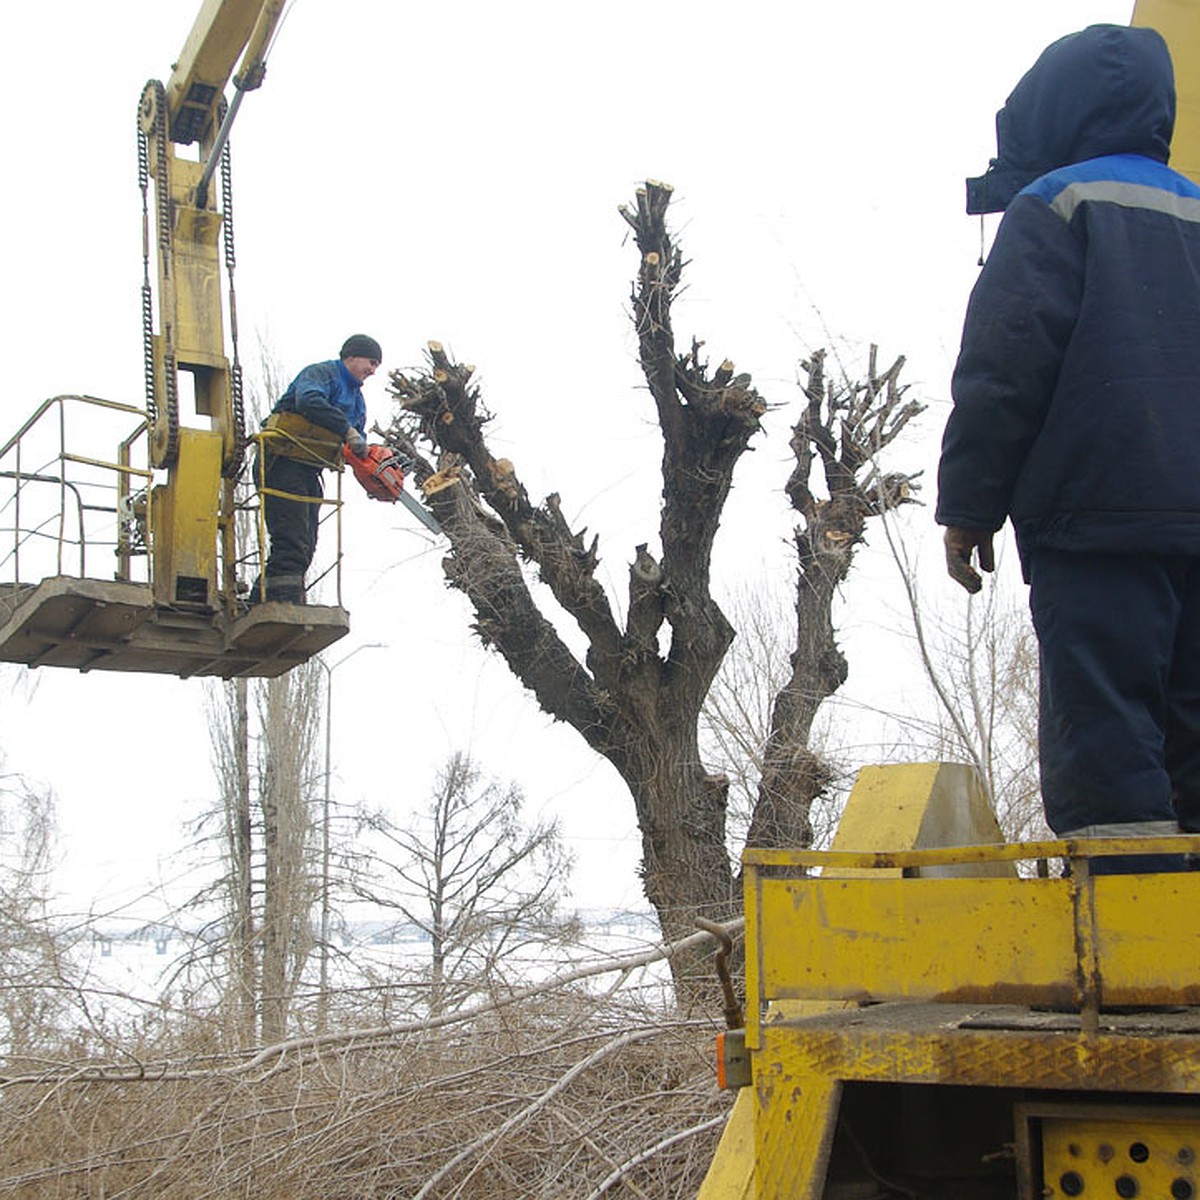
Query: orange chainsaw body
[[378, 471]]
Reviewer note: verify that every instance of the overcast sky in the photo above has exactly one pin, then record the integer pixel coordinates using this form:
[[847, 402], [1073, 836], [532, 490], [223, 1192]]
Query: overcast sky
[[452, 171]]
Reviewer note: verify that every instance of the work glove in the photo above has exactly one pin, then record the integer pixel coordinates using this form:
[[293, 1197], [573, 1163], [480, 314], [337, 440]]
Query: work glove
[[356, 443], [960, 544]]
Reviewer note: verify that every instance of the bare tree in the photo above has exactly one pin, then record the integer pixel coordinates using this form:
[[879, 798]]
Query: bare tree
[[637, 695], [478, 882], [289, 716], [264, 747], [982, 667], [228, 712], [35, 975], [264, 741], [844, 428]]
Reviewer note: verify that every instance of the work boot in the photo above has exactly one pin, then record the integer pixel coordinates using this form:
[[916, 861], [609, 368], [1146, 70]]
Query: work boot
[[286, 589]]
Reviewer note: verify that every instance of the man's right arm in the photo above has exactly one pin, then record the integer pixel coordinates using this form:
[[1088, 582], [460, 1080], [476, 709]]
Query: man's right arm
[[314, 389]]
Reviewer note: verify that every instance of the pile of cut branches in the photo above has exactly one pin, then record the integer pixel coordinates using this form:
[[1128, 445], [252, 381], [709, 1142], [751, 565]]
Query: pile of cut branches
[[560, 1090]]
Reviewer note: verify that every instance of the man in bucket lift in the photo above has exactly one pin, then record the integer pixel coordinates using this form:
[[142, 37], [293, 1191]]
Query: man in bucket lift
[[321, 410]]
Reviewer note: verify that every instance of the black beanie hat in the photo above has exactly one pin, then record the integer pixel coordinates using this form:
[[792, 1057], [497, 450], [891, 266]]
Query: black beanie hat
[[358, 345]]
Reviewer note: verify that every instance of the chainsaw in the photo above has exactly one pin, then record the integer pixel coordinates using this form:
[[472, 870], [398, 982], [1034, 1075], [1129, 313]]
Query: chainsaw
[[381, 473]]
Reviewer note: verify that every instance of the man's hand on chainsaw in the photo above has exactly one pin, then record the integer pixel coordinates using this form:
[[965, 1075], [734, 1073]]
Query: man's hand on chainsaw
[[356, 442]]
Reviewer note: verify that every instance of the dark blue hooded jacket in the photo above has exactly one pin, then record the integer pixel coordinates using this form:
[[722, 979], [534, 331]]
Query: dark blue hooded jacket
[[1077, 388]]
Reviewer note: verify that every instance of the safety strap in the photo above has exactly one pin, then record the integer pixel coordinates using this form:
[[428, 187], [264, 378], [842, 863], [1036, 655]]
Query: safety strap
[[289, 435]]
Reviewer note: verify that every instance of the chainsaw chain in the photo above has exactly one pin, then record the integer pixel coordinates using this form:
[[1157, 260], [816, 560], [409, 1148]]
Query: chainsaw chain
[[154, 93]]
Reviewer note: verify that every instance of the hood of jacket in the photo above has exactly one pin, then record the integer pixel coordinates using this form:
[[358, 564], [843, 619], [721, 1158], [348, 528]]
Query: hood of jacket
[[1109, 89]]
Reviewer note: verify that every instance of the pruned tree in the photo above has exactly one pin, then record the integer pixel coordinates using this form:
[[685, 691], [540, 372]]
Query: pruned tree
[[477, 881], [636, 697], [844, 429]]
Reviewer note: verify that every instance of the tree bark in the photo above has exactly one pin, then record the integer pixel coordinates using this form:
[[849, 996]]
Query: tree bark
[[289, 729], [241, 850]]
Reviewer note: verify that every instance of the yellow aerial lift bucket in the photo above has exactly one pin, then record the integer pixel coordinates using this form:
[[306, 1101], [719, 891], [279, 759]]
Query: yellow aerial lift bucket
[[104, 568]]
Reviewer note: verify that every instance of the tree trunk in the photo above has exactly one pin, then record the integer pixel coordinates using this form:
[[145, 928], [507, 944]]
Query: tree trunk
[[288, 886], [843, 427], [241, 851]]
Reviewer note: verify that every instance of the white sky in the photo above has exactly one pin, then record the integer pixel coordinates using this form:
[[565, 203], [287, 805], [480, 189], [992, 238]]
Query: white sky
[[452, 171]]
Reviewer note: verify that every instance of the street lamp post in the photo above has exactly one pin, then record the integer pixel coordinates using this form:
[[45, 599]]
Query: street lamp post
[[323, 986]]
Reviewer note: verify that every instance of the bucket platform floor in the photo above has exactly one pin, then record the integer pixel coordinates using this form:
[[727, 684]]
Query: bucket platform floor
[[109, 625]]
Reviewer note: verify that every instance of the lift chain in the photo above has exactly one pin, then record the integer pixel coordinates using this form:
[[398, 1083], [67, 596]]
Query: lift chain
[[153, 104], [232, 468]]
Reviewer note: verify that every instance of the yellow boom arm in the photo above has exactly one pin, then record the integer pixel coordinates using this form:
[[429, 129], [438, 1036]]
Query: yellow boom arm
[[190, 335], [223, 29]]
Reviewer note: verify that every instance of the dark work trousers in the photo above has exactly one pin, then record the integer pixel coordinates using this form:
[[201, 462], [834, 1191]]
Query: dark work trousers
[[1119, 728], [292, 526]]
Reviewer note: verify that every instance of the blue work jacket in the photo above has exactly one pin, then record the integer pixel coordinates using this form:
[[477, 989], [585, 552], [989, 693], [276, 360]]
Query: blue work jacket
[[1077, 387], [326, 394]]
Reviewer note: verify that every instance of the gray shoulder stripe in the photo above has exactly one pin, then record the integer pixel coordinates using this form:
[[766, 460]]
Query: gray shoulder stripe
[[1129, 195]]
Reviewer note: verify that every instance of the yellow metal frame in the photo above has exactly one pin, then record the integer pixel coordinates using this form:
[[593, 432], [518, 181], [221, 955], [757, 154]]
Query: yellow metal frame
[[1083, 941], [934, 965]]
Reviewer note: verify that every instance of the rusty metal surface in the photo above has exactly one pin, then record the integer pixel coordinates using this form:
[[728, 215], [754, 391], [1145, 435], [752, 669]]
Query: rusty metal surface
[[983, 1047]]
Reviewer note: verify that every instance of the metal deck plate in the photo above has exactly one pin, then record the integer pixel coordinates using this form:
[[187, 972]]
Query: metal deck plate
[[99, 625]]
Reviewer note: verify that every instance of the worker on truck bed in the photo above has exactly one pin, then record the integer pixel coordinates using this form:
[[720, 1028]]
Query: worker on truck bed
[[321, 410], [1077, 415]]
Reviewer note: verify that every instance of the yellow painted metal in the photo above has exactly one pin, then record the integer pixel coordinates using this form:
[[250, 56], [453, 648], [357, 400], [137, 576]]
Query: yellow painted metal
[[221, 30], [913, 806], [966, 968], [191, 306], [903, 807], [731, 1176], [1134, 1152], [190, 342], [805, 1068], [199, 333], [186, 521], [796, 1116], [917, 862], [988, 941], [1179, 22], [992, 941]]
